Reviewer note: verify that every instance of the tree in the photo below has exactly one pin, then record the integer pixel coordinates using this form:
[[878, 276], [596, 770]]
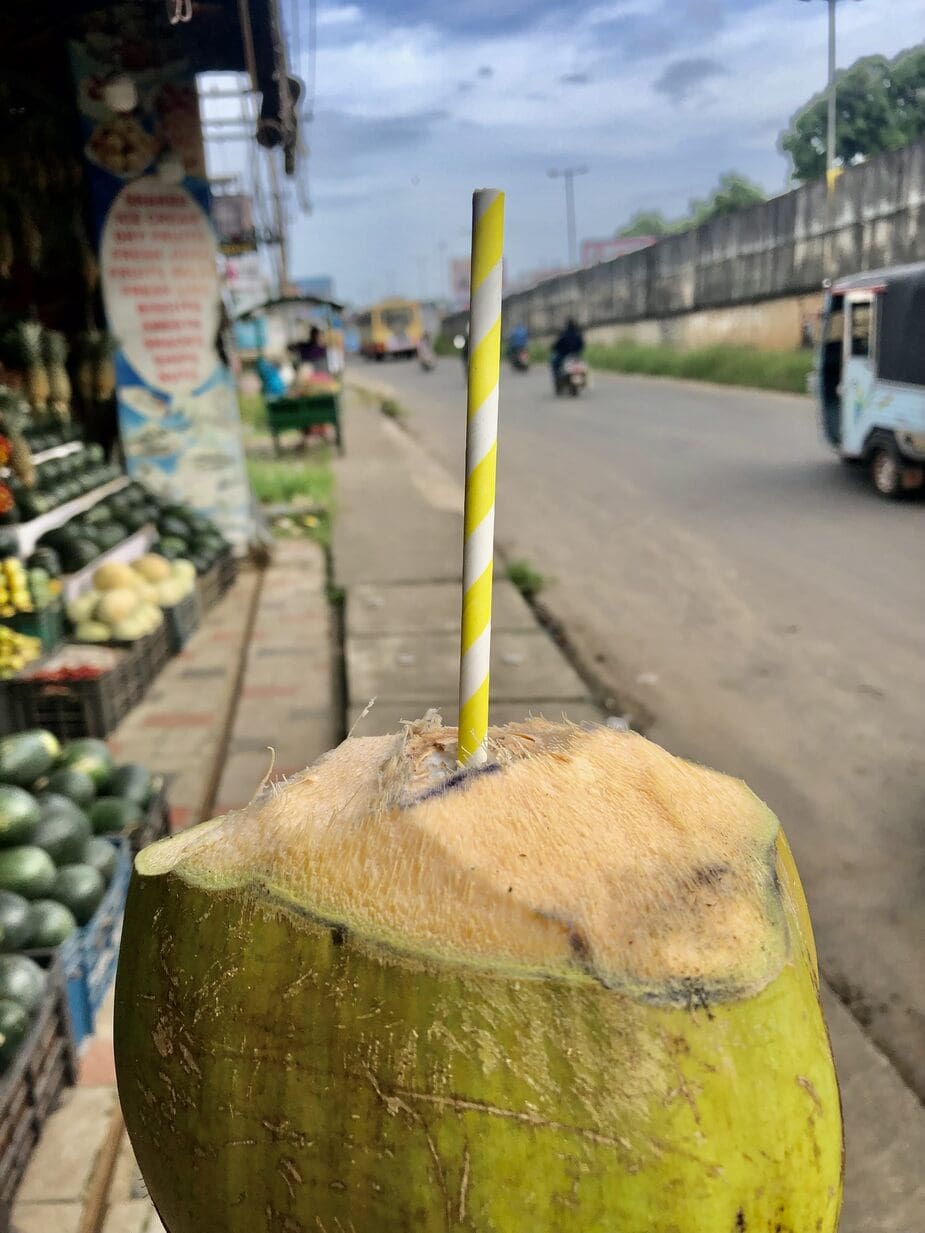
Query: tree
[[646, 222], [734, 192], [880, 105]]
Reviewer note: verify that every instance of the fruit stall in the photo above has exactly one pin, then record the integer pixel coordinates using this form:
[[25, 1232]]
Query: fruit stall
[[71, 818]]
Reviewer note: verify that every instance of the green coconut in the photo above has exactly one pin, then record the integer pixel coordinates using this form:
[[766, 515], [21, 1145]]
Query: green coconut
[[574, 990]]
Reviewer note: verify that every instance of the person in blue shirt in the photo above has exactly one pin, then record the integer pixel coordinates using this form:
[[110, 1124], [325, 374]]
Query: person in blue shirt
[[518, 339], [271, 379]]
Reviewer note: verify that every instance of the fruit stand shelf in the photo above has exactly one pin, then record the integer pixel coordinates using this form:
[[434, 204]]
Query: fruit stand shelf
[[57, 451], [129, 550], [28, 534]]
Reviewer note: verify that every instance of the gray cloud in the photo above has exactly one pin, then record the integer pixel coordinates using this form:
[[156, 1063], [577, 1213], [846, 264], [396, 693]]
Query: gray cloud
[[681, 78], [486, 71], [575, 79]]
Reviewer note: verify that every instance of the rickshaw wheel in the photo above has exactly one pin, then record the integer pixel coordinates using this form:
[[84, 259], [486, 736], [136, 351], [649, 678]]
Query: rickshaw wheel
[[885, 472]]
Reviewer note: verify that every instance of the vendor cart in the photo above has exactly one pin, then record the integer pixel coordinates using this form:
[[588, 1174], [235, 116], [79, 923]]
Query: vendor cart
[[303, 411], [314, 400]]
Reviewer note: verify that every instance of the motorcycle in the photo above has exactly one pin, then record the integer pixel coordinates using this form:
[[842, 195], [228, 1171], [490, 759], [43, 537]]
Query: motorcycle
[[572, 376], [519, 358]]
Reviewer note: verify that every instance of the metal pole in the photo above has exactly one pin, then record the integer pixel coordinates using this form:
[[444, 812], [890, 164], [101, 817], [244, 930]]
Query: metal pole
[[830, 141], [570, 218]]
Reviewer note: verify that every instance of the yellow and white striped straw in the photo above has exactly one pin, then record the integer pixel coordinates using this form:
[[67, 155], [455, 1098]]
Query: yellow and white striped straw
[[481, 459]]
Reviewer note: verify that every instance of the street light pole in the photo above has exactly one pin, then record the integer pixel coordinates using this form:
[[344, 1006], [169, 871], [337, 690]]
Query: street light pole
[[568, 174], [830, 137]]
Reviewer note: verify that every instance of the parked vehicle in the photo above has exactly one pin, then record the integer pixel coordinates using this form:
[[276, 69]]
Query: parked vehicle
[[571, 377], [390, 330], [870, 375]]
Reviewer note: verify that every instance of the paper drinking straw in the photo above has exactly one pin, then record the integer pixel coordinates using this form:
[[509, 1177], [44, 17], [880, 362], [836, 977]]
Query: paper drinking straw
[[481, 458]]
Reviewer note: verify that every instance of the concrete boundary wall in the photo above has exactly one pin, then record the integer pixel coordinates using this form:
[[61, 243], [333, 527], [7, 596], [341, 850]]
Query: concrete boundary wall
[[782, 248]]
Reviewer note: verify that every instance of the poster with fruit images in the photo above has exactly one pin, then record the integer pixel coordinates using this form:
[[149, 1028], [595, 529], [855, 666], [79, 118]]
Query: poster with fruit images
[[178, 412]]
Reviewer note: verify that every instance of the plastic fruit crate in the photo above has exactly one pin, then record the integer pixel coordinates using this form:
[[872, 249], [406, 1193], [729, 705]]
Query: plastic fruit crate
[[72, 708], [32, 1086], [182, 621], [227, 567], [98, 940], [209, 588], [46, 624]]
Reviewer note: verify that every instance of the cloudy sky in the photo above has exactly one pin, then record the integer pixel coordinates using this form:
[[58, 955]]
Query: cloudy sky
[[420, 101]]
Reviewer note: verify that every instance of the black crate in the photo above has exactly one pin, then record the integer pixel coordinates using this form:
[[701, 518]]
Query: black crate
[[227, 567], [79, 708], [182, 621], [156, 822], [32, 1087], [149, 654], [209, 588]]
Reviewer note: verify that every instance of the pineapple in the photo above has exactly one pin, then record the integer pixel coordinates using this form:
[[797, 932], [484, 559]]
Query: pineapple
[[55, 352], [96, 374], [13, 414], [25, 341]]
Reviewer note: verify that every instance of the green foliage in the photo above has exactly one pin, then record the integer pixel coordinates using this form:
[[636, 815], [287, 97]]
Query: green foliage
[[279, 481], [253, 410], [733, 192], [528, 581], [443, 345], [880, 106], [766, 370], [646, 222], [392, 409]]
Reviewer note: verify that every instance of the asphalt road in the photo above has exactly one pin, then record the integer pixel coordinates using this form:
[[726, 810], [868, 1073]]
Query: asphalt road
[[753, 605]]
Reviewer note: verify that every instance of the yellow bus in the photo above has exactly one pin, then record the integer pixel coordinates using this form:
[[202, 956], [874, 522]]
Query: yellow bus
[[391, 329]]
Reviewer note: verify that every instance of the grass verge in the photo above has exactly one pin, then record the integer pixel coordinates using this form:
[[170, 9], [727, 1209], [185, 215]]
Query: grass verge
[[296, 481], [528, 581], [392, 409], [762, 370], [253, 411]]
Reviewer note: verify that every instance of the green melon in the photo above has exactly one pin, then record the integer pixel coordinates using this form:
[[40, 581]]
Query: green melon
[[131, 782], [22, 981], [74, 784], [14, 921], [113, 815], [80, 888], [50, 923], [27, 870], [90, 756], [14, 1024], [103, 856], [19, 813], [63, 836], [26, 756]]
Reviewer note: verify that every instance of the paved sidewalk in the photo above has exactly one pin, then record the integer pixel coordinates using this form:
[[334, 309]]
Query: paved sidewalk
[[397, 554]]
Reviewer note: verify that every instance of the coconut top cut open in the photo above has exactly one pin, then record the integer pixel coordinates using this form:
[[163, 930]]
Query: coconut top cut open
[[582, 852]]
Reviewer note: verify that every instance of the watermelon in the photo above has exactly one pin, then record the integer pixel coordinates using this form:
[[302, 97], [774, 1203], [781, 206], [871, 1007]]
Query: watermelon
[[14, 1024], [74, 784], [26, 756], [22, 981], [90, 756], [63, 836], [50, 923], [27, 870], [103, 856], [80, 888], [14, 921], [131, 782], [114, 815], [19, 813]]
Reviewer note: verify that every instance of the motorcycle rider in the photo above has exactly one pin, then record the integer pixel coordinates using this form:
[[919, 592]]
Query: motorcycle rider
[[518, 340], [570, 342]]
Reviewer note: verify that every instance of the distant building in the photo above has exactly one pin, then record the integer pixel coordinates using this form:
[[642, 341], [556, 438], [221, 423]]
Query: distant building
[[593, 252], [319, 285]]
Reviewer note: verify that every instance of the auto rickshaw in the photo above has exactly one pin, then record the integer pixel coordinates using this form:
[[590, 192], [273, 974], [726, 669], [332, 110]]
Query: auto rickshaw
[[870, 375]]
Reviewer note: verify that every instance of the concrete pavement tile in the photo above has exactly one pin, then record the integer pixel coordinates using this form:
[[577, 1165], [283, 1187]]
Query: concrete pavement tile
[[428, 608], [63, 1160], [46, 1217], [97, 1065], [127, 1183], [132, 1217], [386, 717], [524, 667]]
